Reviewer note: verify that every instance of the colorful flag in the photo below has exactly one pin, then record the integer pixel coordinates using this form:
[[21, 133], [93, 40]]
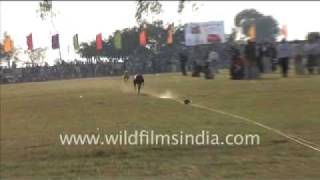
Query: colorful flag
[[99, 42], [284, 31], [118, 40], [30, 42], [55, 42], [75, 42], [143, 38], [170, 35], [252, 32], [7, 45]]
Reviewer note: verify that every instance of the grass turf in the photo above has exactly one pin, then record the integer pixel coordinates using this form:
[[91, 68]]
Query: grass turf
[[34, 114]]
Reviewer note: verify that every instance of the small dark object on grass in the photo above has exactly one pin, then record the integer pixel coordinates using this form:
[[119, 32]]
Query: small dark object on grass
[[187, 101]]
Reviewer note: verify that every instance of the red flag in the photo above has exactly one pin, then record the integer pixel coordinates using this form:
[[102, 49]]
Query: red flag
[[55, 42], [29, 42], [99, 42], [143, 38], [170, 35]]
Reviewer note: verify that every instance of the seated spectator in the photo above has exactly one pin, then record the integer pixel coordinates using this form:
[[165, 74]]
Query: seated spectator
[[237, 69]]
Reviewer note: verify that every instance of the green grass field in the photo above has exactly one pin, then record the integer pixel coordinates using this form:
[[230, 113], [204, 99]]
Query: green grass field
[[34, 114]]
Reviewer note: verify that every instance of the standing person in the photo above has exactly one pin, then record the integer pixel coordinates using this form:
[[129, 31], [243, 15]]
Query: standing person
[[214, 60], [259, 56], [126, 76], [267, 58], [318, 55], [206, 63], [138, 82], [207, 70], [284, 53], [311, 52], [196, 61], [298, 58], [273, 55], [250, 54], [183, 63]]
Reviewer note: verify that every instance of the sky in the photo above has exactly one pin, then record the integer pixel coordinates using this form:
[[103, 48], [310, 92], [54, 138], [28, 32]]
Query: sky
[[87, 18]]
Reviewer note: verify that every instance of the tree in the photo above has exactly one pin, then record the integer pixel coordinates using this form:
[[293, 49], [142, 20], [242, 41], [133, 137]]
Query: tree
[[10, 57], [312, 36], [157, 52], [181, 6], [147, 7], [131, 38], [246, 17], [232, 37], [45, 9], [155, 7], [88, 50], [267, 29], [156, 41], [37, 56], [266, 26]]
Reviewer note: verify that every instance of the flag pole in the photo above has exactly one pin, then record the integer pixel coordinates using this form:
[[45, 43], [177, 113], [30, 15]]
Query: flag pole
[[60, 53]]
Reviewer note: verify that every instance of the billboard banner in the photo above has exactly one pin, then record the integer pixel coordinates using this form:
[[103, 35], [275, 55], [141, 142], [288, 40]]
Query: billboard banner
[[204, 33]]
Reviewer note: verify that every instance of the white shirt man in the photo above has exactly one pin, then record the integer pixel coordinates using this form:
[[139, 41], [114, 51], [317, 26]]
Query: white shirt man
[[214, 59]]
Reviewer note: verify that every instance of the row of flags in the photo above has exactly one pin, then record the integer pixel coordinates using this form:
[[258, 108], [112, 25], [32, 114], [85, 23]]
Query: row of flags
[[8, 42], [117, 40]]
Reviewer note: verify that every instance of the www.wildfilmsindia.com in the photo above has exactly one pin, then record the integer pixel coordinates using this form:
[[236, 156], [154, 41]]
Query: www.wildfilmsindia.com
[[150, 137]]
